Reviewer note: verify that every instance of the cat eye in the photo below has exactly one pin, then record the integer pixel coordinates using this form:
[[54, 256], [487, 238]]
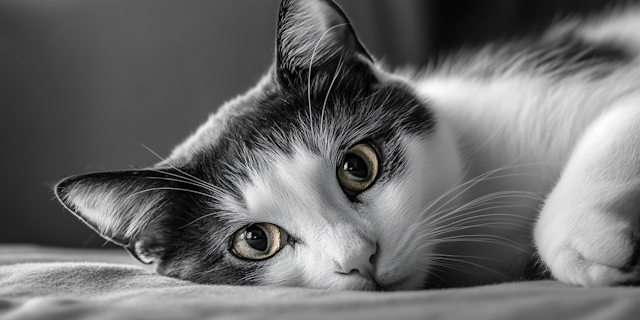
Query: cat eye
[[358, 169], [259, 241]]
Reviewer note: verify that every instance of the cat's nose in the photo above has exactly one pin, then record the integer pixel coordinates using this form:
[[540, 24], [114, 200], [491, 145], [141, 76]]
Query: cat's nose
[[360, 261]]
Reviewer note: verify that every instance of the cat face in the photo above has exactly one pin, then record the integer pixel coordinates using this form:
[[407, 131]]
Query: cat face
[[324, 175]]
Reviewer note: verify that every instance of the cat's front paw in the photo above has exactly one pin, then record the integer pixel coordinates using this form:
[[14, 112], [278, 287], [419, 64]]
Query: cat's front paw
[[588, 230], [589, 249], [571, 266]]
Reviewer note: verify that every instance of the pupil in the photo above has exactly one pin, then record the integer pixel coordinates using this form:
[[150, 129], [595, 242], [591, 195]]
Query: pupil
[[355, 166], [256, 238]]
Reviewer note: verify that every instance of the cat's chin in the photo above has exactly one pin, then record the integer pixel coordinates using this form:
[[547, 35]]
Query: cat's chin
[[357, 283], [407, 283], [414, 281], [343, 282]]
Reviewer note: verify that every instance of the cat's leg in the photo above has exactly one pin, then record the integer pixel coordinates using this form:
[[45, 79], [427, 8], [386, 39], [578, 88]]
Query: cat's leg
[[587, 232]]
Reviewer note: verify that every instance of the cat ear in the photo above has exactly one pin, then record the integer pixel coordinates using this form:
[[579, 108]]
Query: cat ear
[[122, 206], [312, 32]]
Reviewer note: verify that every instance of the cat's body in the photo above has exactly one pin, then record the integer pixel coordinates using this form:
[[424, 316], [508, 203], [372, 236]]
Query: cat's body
[[349, 176], [522, 110]]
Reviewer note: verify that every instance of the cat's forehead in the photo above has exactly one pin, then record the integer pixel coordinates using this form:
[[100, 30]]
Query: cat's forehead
[[279, 139], [326, 114]]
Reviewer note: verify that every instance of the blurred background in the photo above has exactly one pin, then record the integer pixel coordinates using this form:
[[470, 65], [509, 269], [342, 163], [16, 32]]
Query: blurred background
[[83, 84]]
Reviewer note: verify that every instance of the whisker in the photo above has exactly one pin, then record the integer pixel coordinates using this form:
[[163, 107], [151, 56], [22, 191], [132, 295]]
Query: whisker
[[165, 162], [335, 76], [207, 186], [313, 55], [169, 188], [455, 228], [439, 215], [439, 255], [431, 273], [504, 217], [470, 153], [466, 262], [432, 238], [469, 184], [215, 191], [483, 238], [506, 220], [198, 219], [450, 216]]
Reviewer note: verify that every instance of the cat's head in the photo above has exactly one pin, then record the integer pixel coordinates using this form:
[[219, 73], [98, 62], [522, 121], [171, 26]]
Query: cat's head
[[324, 175]]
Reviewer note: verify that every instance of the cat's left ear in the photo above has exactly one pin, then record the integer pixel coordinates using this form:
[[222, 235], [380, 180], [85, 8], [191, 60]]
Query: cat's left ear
[[311, 33]]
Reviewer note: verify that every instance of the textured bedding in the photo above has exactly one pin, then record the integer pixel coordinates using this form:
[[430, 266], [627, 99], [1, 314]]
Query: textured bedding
[[53, 283]]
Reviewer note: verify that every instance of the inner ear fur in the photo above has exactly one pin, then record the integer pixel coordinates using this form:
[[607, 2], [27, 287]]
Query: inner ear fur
[[124, 207], [312, 32]]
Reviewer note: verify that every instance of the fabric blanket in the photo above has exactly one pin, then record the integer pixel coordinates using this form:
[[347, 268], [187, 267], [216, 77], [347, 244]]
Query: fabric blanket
[[53, 283]]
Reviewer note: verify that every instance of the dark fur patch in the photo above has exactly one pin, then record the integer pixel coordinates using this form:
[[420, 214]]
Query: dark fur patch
[[569, 55], [192, 246]]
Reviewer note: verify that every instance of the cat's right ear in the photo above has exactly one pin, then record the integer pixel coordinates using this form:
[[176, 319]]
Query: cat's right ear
[[311, 33], [124, 207]]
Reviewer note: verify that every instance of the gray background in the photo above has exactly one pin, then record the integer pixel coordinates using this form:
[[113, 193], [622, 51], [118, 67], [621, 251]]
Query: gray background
[[83, 84]]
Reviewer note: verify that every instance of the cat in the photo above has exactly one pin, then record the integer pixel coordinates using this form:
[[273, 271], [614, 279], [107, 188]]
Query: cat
[[517, 161]]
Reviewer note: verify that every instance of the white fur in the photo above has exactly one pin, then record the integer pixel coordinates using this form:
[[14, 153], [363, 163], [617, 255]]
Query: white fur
[[315, 21], [585, 231], [111, 211], [301, 195]]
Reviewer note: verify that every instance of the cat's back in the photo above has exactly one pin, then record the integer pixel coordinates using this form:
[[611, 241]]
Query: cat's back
[[590, 46], [530, 100]]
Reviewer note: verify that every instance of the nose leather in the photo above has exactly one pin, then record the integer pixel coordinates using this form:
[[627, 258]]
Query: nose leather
[[360, 261]]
